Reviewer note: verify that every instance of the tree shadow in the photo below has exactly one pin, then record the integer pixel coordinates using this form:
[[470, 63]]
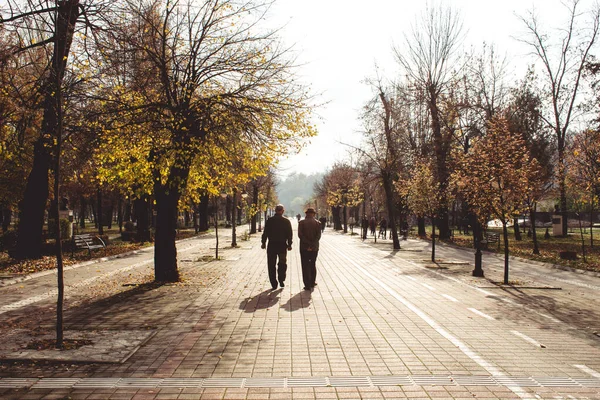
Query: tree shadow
[[263, 300], [300, 300]]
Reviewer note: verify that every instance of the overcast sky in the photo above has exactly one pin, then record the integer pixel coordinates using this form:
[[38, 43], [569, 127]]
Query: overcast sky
[[340, 41]]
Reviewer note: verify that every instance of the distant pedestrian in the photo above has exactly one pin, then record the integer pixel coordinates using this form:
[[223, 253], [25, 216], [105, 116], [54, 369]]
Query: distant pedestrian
[[309, 232], [298, 216], [323, 221], [372, 225], [364, 224], [278, 230], [383, 228]]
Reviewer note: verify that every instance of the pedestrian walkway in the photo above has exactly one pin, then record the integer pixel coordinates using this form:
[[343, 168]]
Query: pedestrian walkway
[[379, 325]]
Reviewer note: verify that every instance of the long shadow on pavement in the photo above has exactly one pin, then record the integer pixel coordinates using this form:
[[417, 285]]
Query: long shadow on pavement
[[263, 300], [298, 301]]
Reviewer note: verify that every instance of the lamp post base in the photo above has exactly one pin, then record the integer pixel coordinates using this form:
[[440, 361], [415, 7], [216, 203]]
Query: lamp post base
[[478, 271]]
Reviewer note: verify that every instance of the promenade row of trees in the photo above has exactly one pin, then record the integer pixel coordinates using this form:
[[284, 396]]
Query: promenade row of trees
[[459, 130], [163, 103]]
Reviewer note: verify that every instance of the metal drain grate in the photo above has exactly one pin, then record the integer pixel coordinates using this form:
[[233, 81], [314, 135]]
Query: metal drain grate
[[97, 383], [515, 381], [588, 382], [223, 382], [306, 382], [149, 383], [391, 381], [15, 383], [558, 382], [474, 380], [349, 381], [336, 381], [181, 383], [265, 383], [427, 380], [56, 383]]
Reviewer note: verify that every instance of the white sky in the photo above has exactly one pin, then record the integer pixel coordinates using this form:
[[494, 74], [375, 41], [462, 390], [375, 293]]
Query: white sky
[[340, 41]]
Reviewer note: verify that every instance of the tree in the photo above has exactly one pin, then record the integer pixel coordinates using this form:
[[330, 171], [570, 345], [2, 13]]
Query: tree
[[423, 195], [59, 21], [524, 114], [563, 64], [341, 189], [429, 58], [584, 173], [495, 177], [384, 122], [214, 77]]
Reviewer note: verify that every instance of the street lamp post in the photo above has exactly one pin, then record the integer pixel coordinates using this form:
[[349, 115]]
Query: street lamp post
[[372, 216], [244, 196], [223, 195]]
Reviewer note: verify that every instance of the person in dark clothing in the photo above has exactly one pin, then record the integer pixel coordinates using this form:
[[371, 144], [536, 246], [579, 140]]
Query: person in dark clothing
[[372, 225], [278, 230], [383, 228], [323, 222], [364, 224], [309, 232]]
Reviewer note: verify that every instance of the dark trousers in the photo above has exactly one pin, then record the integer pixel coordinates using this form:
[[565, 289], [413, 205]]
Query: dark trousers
[[272, 256], [309, 267]]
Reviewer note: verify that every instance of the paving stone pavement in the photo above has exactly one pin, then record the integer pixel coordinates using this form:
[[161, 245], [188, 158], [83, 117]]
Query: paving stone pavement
[[379, 325]]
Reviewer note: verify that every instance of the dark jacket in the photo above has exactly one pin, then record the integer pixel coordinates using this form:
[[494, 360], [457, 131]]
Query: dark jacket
[[279, 232], [309, 232]]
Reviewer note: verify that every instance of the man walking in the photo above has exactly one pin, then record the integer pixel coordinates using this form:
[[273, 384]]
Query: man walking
[[309, 232], [278, 230]]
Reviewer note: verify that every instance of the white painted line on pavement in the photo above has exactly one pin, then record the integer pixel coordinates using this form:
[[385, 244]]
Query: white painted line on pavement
[[412, 278], [450, 298], [433, 324], [588, 370], [528, 339], [485, 292], [429, 287], [476, 311]]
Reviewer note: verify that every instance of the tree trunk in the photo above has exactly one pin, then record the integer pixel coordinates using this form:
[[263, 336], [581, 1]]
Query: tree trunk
[[33, 204], [254, 207], [186, 218], [82, 210], [337, 222], [421, 227], [165, 250], [233, 219], [120, 213], [141, 216], [127, 213], [441, 147], [6, 217], [94, 214], [203, 213], [562, 185], [592, 223], [228, 213], [433, 240], [389, 199], [345, 218], [532, 218], [505, 235], [517, 230], [99, 211]]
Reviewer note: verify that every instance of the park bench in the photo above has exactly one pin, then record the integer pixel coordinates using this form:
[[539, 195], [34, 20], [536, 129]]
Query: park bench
[[87, 241], [490, 237]]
